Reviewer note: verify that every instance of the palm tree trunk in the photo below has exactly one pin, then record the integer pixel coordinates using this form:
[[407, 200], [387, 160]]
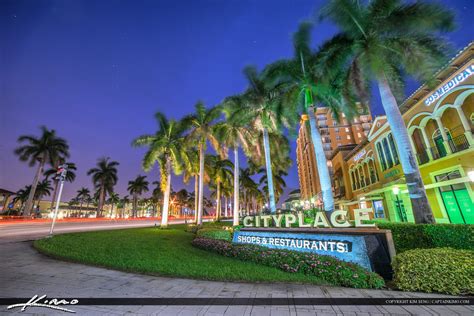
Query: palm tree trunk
[[134, 212], [268, 163], [166, 202], [201, 183], [225, 205], [53, 199], [321, 162], [196, 197], [236, 186], [420, 205], [100, 205], [218, 204], [29, 202]]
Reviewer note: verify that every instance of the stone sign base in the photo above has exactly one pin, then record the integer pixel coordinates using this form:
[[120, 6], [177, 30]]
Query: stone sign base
[[371, 248]]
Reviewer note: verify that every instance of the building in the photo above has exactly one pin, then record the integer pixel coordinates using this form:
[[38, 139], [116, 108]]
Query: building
[[5, 199], [335, 134], [440, 123]]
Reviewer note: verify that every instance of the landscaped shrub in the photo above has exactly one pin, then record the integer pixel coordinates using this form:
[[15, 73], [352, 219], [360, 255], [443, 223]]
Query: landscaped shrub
[[215, 233], [408, 236], [328, 269], [442, 270], [192, 228]]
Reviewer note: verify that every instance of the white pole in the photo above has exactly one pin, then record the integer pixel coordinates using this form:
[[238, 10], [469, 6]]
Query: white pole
[[61, 179]]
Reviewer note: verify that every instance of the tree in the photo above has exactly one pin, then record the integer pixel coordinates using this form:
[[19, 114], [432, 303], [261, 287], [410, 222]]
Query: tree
[[200, 127], [233, 133], [381, 40], [43, 188], [22, 196], [136, 188], [83, 194], [305, 88], [164, 147], [48, 148], [123, 204], [222, 172], [265, 112], [156, 197], [53, 172], [113, 200], [278, 182], [104, 178], [182, 198]]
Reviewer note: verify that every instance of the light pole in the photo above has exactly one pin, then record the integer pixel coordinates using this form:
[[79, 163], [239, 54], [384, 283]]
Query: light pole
[[61, 172]]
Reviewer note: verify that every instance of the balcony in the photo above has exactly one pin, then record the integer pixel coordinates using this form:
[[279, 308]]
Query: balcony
[[458, 143]]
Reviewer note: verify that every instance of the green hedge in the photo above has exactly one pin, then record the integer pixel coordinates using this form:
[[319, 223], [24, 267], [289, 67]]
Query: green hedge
[[215, 233], [443, 270], [331, 270], [408, 236]]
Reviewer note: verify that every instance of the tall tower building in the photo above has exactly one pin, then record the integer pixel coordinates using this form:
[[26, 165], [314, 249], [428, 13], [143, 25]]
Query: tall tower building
[[335, 134]]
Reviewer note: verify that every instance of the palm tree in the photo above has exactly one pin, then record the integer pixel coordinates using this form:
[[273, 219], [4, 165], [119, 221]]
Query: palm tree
[[43, 188], [232, 133], [182, 198], [263, 108], [136, 188], [113, 200], [165, 147], [53, 172], [123, 204], [381, 40], [156, 197], [82, 195], [104, 178], [306, 87], [278, 182], [22, 196], [201, 130], [222, 172], [48, 148]]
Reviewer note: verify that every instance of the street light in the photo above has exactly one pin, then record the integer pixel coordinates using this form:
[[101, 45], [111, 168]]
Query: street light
[[61, 172]]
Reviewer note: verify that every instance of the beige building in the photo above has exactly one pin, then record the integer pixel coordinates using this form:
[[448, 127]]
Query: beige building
[[335, 134]]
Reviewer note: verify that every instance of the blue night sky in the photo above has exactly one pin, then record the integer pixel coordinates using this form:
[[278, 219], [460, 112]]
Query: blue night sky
[[97, 71]]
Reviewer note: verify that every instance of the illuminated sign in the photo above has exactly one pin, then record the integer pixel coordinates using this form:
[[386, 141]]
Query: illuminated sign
[[359, 155], [337, 219], [460, 77]]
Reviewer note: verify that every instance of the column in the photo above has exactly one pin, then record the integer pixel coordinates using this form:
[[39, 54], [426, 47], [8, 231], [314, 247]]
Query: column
[[466, 125], [427, 143], [443, 134]]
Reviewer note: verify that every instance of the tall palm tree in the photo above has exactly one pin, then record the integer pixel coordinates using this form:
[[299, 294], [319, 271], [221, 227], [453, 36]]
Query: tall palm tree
[[266, 113], [48, 148], [380, 40], [156, 197], [53, 172], [232, 133], [305, 88], [113, 200], [104, 178], [165, 147], [222, 172], [136, 188], [82, 195], [200, 126]]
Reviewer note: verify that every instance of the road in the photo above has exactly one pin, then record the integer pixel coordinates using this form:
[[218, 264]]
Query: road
[[30, 230]]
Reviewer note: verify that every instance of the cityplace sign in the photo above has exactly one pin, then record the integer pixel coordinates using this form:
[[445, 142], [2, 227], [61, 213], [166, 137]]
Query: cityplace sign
[[460, 77], [337, 219]]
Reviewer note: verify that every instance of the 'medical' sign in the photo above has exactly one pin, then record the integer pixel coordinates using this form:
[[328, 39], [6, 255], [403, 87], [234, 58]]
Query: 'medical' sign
[[463, 75]]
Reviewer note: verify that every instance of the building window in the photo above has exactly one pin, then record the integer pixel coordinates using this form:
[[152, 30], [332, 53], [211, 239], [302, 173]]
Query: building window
[[334, 123], [349, 137], [359, 135], [347, 129], [387, 151], [336, 129], [338, 137], [381, 157]]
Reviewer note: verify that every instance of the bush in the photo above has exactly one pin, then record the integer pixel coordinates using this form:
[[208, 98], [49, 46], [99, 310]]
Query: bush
[[408, 236], [443, 270], [215, 233], [192, 228], [328, 269]]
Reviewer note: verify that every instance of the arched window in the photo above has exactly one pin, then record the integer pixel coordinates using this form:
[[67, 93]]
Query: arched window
[[381, 156]]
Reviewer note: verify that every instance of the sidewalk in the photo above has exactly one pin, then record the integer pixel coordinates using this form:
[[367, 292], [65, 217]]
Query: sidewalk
[[24, 273]]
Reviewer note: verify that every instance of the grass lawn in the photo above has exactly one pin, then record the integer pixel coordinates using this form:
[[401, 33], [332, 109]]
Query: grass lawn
[[159, 252]]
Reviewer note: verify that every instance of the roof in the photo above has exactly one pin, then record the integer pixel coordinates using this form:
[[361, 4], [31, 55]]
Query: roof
[[3, 191]]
